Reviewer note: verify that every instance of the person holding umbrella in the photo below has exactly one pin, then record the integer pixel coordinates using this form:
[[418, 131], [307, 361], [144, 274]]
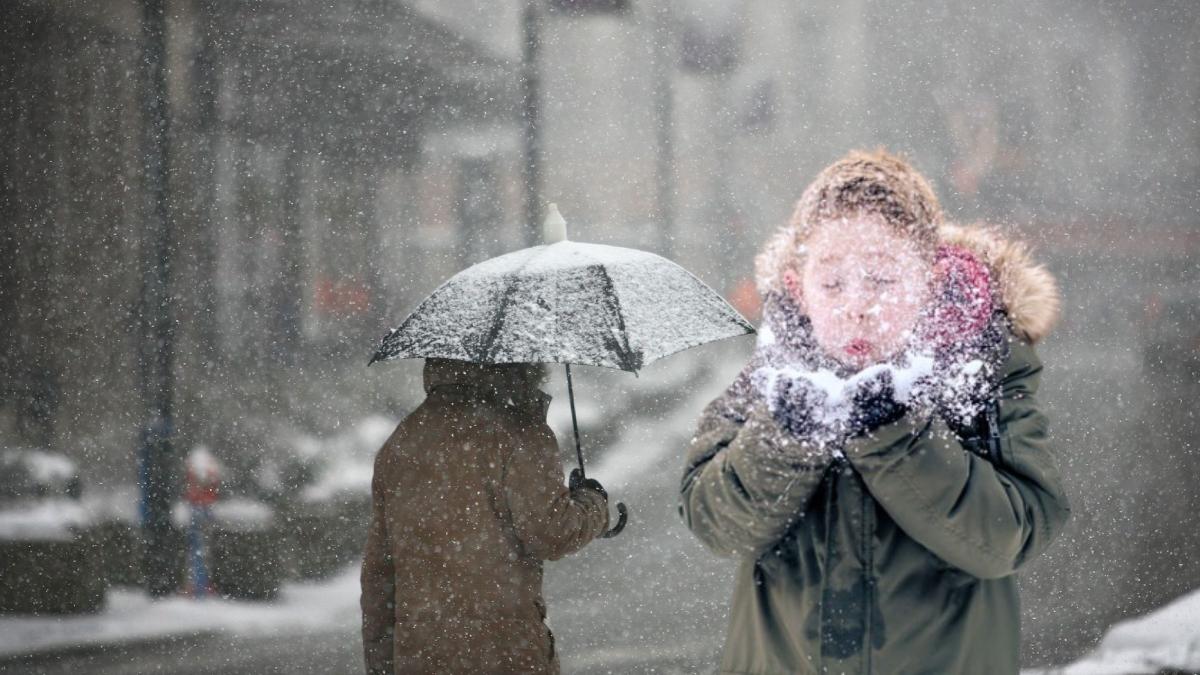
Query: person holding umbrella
[[468, 501], [468, 492]]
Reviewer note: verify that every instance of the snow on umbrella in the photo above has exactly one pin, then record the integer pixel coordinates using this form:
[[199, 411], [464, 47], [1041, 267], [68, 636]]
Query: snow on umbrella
[[566, 302]]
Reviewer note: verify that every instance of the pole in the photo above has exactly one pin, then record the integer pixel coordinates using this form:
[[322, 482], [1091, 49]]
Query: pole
[[157, 460], [531, 136], [574, 422], [664, 52]]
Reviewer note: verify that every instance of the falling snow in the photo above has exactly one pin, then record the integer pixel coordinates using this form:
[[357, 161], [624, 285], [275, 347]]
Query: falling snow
[[211, 213]]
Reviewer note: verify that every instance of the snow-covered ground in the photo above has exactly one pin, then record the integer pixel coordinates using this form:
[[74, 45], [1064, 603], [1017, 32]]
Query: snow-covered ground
[[1167, 639], [132, 616]]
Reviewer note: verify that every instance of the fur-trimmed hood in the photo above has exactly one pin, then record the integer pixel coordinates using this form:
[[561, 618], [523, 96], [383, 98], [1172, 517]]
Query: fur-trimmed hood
[[1025, 290]]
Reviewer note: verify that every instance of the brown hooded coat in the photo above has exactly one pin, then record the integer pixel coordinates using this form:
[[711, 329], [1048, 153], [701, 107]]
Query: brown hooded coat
[[469, 499]]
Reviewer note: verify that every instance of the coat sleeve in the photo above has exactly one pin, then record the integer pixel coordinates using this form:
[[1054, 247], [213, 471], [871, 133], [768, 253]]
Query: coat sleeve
[[987, 520], [378, 581], [549, 520], [746, 483]]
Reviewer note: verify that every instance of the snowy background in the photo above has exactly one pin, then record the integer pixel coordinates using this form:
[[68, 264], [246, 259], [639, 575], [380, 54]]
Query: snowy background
[[327, 165]]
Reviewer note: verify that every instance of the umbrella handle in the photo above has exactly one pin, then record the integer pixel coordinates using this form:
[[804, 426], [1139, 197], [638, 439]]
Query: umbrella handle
[[622, 517], [622, 512]]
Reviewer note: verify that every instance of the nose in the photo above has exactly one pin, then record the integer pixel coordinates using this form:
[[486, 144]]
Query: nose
[[858, 307]]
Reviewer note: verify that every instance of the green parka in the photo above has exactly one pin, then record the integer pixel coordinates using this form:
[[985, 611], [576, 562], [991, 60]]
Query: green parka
[[897, 558]]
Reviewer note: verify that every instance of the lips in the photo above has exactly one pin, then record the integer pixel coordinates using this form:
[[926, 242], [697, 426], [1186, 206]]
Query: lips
[[858, 347]]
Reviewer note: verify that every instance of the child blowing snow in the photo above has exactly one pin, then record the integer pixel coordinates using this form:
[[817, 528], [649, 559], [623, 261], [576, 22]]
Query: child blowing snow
[[881, 466]]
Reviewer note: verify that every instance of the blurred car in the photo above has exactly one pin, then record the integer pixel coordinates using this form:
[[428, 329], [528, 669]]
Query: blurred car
[[48, 538]]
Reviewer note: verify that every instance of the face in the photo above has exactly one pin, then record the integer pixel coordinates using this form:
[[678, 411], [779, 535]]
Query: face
[[863, 286]]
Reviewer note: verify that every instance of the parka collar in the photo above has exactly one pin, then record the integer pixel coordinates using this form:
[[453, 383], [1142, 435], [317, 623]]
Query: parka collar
[[505, 385]]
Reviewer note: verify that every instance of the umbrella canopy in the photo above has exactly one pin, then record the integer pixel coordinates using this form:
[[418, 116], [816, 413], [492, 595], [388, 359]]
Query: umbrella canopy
[[566, 302]]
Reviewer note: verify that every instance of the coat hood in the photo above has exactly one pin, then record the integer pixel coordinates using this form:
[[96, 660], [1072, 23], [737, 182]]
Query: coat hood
[[515, 384], [1028, 293]]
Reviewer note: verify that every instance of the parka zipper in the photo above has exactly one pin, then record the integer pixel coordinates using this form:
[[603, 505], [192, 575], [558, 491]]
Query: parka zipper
[[868, 533], [831, 476], [993, 424]]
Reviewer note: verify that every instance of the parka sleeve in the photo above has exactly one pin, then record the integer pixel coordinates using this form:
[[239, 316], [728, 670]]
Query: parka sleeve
[[983, 518], [378, 583], [746, 484], [550, 521]]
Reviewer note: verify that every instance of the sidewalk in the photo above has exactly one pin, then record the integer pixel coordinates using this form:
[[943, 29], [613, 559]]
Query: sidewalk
[[130, 617]]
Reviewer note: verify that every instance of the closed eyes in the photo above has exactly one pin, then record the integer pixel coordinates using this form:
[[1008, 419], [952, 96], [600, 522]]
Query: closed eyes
[[876, 281]]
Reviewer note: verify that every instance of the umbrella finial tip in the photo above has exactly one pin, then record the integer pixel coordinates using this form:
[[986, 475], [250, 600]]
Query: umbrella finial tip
[[554, 228]]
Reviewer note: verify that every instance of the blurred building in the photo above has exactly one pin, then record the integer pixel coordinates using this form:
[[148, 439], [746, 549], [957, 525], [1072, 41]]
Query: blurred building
[[325, 159], [1023, 115], [326, 125]]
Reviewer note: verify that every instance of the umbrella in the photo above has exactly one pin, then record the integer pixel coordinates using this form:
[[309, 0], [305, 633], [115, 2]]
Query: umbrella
[[566, 302]]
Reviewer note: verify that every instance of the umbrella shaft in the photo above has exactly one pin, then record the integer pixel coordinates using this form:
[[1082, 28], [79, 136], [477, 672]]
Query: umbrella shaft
[[574, 421]]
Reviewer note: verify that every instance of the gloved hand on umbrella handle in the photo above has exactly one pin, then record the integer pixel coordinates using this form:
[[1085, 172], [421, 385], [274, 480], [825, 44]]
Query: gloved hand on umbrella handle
[[578, 482]]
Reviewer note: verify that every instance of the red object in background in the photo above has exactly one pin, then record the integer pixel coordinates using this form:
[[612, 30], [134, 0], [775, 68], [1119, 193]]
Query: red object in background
[[203, 485], [745, 298], [340, 297]]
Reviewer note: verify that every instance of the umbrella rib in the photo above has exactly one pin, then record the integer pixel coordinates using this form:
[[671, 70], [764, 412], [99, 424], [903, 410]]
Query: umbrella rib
[[610, 291], [502, 311], [382, 354], [628, 361]]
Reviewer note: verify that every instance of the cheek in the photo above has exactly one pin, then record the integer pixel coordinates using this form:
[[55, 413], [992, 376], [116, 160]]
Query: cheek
[[899, 318], [901, 310]]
